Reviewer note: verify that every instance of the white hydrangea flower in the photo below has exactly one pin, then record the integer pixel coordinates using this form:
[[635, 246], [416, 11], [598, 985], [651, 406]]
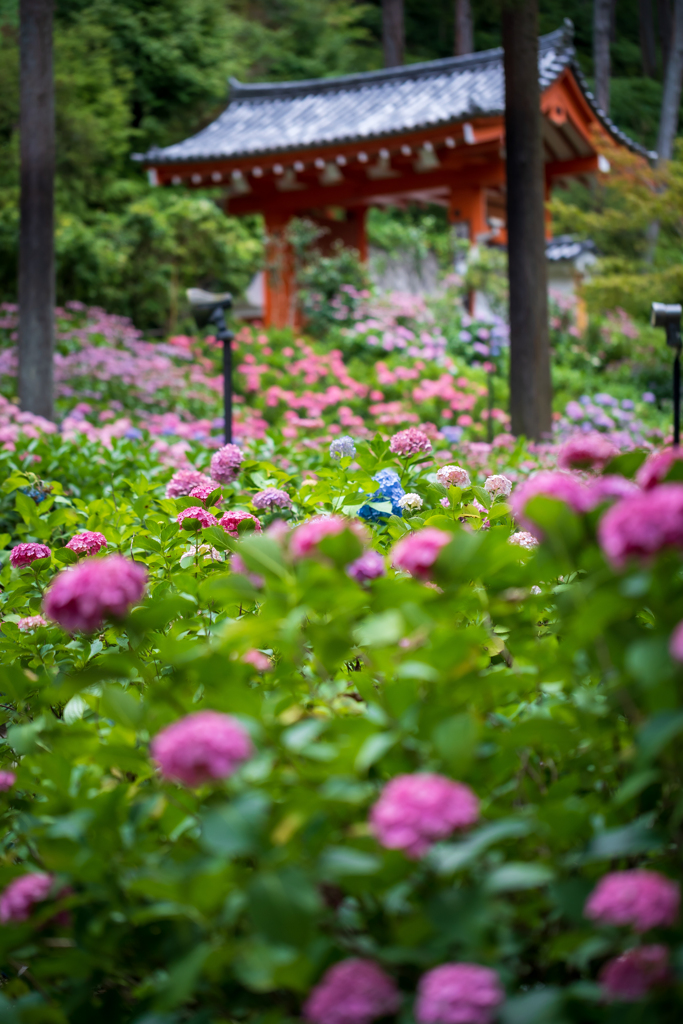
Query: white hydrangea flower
[[453, 476], [523, 539], [411, 502], [498, 485]]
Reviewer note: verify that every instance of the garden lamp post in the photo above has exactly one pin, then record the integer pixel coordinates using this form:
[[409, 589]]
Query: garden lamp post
[[668, 316], [208, 308]]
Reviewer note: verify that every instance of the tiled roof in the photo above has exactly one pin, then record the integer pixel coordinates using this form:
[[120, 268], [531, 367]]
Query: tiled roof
[[276, 117], [566, 247]]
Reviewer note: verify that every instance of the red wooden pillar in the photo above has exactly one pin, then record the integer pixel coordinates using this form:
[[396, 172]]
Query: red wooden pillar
[[280, 292]]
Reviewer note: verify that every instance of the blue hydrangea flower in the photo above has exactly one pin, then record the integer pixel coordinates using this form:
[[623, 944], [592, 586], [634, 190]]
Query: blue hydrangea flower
[[343, 447], [389, 490]]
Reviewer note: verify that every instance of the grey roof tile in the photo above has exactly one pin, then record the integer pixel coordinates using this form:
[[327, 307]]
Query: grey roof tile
[[274, 117]]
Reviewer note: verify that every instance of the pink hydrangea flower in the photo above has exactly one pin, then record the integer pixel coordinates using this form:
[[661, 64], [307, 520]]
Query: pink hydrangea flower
[[204, 491], [88, 542], [656, 467], [354, 991], [225, 463], [272, 498], [676, 643], [417, 552], [369, 566], [81, 597], [24, 554], [237, 564], [184, 481], [18, 899], [498, 485], [643, 524], [609, 488], [523, 539], [200, 514], [586, 451], [410, 442], [259, 660], [31, 622], [638, 898], [414, 811], [305, 538], [453, 476], [551, 484], [629, 977], [201, 747], [230, 522], [7, 780], [458, 994]]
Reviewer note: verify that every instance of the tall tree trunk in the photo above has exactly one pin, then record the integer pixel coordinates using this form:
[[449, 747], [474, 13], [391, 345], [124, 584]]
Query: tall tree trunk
[[464, 28], [648, 49], [36, 234], [530, 385], [602, 30], [665, 21], [393, 32]]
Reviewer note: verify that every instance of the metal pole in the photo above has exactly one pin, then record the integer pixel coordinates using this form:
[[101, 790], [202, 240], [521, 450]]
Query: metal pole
[[489, 426], [227, 384], [677, 397]]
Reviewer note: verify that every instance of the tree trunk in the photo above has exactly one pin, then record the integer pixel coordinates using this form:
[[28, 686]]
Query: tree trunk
[[647, 38], [602, 30], [393, 32], [36, 237], [665, 20], [464, 28], [671, 98], [530, 385]]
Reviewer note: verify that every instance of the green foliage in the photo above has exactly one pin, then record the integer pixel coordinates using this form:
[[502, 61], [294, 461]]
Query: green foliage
[[558, 706]]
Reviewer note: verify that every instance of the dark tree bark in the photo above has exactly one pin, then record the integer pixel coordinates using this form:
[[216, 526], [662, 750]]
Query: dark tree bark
[[648, 49], [671, 98], [393, 32], [665, 22], [464, 28], [602, 31], [36, 237], [530, 385]]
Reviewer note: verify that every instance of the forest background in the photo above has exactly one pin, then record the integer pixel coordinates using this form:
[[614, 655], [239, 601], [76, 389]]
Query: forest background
[[132, 73]]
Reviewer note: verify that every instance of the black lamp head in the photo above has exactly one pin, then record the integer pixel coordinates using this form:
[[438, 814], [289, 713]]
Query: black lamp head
[[668, 316], [205, 304]]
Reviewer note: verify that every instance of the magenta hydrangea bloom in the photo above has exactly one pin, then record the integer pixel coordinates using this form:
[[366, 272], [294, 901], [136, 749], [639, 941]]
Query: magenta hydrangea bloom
[[586, 451], [453, 476], [24, 554], [204, 491], [609, 488], [7, 780], [410, 442], [629, 977], [417, 552], [201, 747], [369, 566], [656, 466], [643, 524], [305, 538], [458, 994], [81, 597], [676, 643], [88, 542], [230, 522], [638, 898], [31, 622], [523, 539], [18, 899], [203, 517], [354, 991], [258, 659], [184, 481], [498, 485], [225, 463], [237, 564], [272, 498], [414, 811], [551, 484]]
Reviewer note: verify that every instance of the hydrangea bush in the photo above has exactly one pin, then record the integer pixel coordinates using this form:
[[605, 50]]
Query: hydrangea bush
[[265, 760]]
